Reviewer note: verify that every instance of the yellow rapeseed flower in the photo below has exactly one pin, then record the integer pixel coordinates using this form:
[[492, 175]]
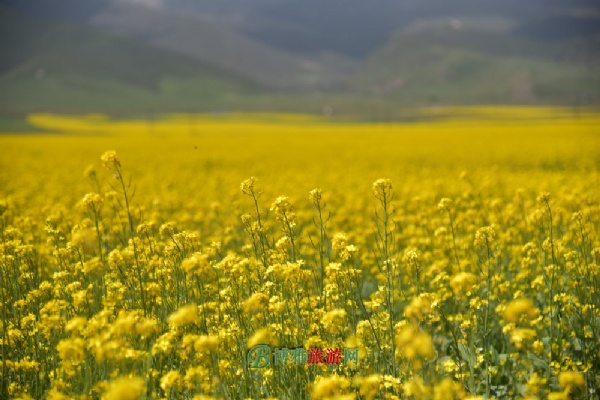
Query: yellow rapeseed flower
[[418, 307], [110, 160], [92, 201], [72, 350], [368, 386], [339, 241], [256, 302], [519, 336], [55, 394], [416, 388], [282, 205], [330, 387], [247, 186], [206, 343], [485, 236], [558, 395], [263, 336], [171, 379], [415, 345], [448, 389], [334, 320], [568, 379], [184, 316], [445, 204], [76, 324], [518, 308], [535, 382], [382, 187], [164, 344], [316, 195], [462, 282], [128, 388]]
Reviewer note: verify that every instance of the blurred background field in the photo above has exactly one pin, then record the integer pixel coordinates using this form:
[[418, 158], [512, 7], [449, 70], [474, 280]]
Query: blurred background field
[[297, 152]]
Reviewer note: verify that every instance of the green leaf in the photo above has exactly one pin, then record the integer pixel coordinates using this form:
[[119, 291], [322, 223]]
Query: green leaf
[[538, 362], [576, 344], [467, 354]]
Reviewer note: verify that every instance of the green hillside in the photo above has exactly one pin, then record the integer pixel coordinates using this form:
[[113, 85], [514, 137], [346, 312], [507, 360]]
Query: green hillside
[[449, 65], [66, 68], [208, 42]]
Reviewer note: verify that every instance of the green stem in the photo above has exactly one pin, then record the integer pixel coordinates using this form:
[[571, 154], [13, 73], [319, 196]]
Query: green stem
[[4, 380], [131, 234], [485, 323], [453, 238]]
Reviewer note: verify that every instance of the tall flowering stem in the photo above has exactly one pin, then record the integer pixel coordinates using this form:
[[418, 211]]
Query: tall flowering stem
[[382, 189], [316, 196], [544, 201], [484, 238], [255, 230], [112, 163], [3, 383], [447, 205], [284, 212]]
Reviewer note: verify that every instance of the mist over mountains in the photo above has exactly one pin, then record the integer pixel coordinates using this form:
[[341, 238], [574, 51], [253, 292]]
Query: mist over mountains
[[197, 55]]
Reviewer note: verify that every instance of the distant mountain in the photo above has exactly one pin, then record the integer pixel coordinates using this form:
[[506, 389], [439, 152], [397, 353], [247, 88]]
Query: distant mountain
[[295, 55], [357, 28], [61, 66], [459, 61], [198, 37], [212, 43]]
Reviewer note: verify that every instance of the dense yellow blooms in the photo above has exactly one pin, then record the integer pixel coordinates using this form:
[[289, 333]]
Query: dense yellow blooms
[[334, 320], [72, 350], [333, 387], [263, 336], [257, 302], [184, 316], [419, 307], [450, 258], [519, 308], [415, 345], [130, 388], [569, 379], [448, 389], [206, 343], [462, 282]]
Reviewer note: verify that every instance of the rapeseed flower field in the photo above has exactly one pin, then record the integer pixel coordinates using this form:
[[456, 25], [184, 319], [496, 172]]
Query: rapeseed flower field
[[456, 256]]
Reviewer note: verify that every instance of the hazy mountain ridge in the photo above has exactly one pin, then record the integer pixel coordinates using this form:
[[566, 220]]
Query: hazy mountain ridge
[[211, 43], [204, 54], [291, 24], [199, 38], [433, 65], [46, 62]]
